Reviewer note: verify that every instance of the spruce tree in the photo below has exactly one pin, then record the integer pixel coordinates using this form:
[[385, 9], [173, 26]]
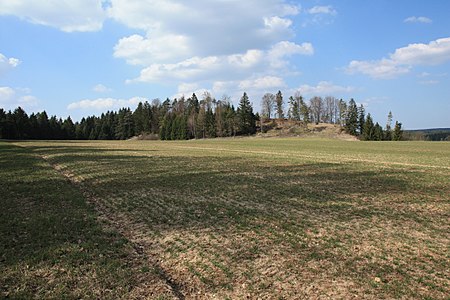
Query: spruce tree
[[279, 103], [388, 131], [398, 132], [247, 122], [351, 122], [378, 133], [361, 119], [368, 130]]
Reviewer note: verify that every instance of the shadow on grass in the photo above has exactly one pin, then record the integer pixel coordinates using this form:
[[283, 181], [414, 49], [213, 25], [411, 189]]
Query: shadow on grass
[[51, 244], [195, 189]]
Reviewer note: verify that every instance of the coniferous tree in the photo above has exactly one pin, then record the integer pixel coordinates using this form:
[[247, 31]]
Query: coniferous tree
[[280, 103], [398, 132], [247, 122], [361, 119], [351, 120], [68, 128], [304, 112], [378, 132], [342, 112], [3, 132], [368, 131], [294, 109], [388, 131]]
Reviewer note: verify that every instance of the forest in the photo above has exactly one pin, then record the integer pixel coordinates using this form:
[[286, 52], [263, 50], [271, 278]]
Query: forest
[[191, 118]]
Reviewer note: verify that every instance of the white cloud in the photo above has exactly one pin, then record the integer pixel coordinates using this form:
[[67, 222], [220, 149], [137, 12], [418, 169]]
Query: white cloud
[[225, 68], [100, 88], [324, 88], [177, 31], [6, 94], [11, 98], [262, 83], [382, 69], [280, 51], [69, 16], [418, 20], [7, 63], [138, 50], [403, 59], [329, 10], [187, 88], [434, 53], [247, 60], [102, 104], [429, 82]]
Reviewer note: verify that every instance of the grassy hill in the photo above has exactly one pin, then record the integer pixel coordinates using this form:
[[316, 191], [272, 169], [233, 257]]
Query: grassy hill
[[290, 128]]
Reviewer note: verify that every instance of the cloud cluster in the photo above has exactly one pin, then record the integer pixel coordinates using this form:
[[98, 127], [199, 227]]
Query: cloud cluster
[[413, 19], [101, 104], [324, 88], [404, 59], [221, 45], [328, 10], [69, 16], [100, 88], [10, 98], [7, 64]]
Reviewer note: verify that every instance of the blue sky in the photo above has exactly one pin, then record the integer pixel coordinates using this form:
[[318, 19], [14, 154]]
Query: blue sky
[[84, 57]]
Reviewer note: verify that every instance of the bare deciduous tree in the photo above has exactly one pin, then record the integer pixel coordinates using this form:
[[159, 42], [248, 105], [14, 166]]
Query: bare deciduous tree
[[268, 105], [317, 107]]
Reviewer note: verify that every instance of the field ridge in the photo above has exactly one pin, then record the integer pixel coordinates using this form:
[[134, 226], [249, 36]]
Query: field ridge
[[132, 231]]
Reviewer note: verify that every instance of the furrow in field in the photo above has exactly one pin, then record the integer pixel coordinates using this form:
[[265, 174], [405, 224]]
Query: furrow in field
[[137, 234], [315, 157]]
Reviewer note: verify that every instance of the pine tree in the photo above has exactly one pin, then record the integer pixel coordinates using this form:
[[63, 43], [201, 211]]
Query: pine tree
[[342, 106], [247, 122], [304, 112], [361, 119], [294, 108], [378, 132], [368, 131], [398, 132], [279, 102], [388, 131], [351, 120]]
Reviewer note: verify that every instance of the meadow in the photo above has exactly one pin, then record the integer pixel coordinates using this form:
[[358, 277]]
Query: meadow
[[268, 218]]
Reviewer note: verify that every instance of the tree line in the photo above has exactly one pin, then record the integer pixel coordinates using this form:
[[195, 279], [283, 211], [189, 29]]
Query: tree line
[[182, 119]]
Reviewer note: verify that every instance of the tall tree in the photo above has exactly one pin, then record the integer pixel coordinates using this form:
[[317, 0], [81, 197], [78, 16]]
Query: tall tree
[[398, 132], [267, 105], [247, 122], [21, 123], [294, 108], [378, 133], [342, 106], [330, 108], [280, 103], [361, 119], [368, 131], [351, 118], [316, 106], [388, 131]]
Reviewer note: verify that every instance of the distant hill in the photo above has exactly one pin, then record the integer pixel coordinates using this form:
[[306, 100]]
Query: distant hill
[[432, 134], [286, 128]]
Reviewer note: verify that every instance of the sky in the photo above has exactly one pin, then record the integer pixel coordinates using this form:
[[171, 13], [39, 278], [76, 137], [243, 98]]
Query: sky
[[84, 57]]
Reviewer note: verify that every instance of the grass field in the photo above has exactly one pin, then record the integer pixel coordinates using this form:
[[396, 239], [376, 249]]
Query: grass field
[[226, 218]]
